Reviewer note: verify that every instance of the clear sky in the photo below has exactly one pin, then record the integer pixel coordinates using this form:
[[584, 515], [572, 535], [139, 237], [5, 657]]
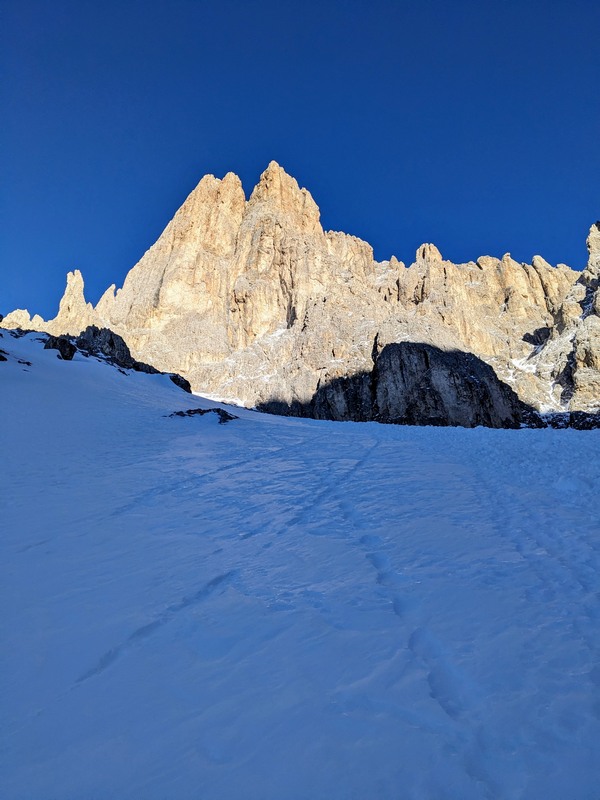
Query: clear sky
[[471, 124]]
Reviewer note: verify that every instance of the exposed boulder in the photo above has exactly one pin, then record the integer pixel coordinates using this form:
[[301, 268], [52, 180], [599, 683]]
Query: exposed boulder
[[224, 416], [63, 344]]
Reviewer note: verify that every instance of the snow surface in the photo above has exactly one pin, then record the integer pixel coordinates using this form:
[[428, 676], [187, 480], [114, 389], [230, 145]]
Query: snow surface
[[280, 608]]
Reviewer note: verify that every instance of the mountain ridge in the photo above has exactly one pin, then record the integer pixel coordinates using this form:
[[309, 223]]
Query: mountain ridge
[[250, 300]]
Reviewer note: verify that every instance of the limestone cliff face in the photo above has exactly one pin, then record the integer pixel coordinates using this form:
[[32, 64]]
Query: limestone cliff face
[[416, 384], [233, 290], [253, 301], [570, 358]]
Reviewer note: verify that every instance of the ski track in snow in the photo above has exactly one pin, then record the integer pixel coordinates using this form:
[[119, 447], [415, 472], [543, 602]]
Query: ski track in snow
[[149, 628], [283, 608]]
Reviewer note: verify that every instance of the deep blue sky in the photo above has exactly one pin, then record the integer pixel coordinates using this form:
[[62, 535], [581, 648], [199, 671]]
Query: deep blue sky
[[474, 125]]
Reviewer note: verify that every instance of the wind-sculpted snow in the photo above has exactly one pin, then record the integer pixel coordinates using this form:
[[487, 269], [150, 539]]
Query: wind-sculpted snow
[[288, 608]]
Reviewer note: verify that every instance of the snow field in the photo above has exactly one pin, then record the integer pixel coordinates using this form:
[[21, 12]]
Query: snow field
[[281, 608]]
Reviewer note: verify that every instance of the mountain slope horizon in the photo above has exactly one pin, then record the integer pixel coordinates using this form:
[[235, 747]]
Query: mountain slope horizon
[[251, 300]]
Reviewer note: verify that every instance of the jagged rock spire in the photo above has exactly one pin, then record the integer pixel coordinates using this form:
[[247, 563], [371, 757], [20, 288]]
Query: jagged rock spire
[[74, 314], [593, 246], [428, 253], [280, 190]]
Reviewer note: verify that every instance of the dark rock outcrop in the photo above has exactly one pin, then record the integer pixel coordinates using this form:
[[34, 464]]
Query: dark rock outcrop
[[184, 384], [108, 346], [579, 420], [63, 344], [417, 384], [224, 416], [111, 347]]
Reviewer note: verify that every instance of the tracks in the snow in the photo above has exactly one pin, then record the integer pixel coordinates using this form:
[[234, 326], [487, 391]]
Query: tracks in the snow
[[149, 628]]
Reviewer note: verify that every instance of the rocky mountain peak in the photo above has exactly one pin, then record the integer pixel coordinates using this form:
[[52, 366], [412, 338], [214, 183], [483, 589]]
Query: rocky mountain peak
[[281, 192], [428, 253], [593, 246], [73, 297], [74, 314], [540, 263], [210, 216]]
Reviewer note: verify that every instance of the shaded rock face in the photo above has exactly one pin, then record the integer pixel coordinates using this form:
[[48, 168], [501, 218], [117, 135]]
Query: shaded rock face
[[184, 384], [413, 383], [252, 300], [65, 347], [103, 342], [580, 420], [420, 384]]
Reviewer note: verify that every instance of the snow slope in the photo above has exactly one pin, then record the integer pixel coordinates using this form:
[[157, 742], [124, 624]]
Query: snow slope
[[281, 608]]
